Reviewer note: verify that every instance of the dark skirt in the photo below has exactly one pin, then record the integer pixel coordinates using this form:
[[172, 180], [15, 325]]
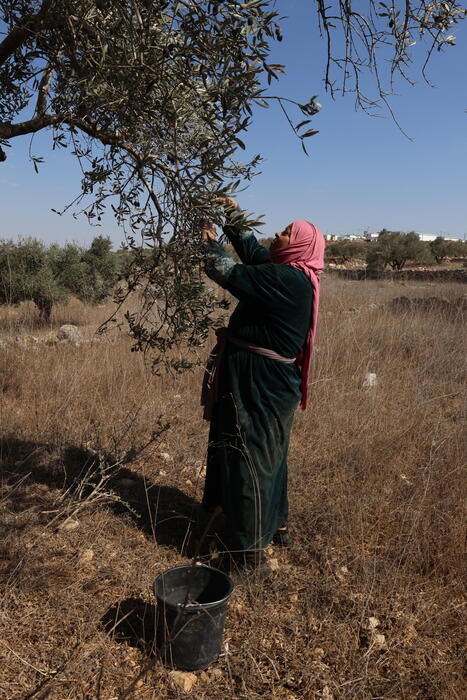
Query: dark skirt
[[248, 443]]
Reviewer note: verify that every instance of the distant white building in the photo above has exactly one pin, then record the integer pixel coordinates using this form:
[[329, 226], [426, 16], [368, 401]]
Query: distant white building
[[431, 237], [427, 237]]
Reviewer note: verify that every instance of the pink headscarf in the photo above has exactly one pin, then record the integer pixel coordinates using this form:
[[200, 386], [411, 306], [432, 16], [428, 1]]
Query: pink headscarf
[[305, 252]]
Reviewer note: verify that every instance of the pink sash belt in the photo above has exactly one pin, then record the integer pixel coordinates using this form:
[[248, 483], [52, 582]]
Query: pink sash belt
[[210, 389]]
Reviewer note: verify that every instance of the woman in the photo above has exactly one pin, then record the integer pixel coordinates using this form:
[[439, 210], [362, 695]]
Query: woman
[[260, 375]]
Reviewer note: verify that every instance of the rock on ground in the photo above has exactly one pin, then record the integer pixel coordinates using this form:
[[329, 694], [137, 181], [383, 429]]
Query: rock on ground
[[183, 680], [70, 333]]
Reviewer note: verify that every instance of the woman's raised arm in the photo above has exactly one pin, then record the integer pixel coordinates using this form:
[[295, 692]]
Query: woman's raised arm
[[243, 240]]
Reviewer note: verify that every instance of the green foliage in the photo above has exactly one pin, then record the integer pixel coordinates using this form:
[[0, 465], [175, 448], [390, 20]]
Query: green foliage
[[101, 267], [442, 249], [47, 275], [26, 273], [343, 251], [459, 249], [395, 249]]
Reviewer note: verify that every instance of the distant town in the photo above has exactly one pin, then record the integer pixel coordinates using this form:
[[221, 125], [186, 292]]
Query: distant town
[[368, 236]]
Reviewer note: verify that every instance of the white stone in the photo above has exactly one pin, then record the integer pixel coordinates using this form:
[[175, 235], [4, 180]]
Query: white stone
[[183, 680], [69, 525], [371, 380], [70, 333]]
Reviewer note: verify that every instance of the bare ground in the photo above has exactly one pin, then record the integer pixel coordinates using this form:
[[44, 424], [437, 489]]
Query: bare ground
[[368, 600]]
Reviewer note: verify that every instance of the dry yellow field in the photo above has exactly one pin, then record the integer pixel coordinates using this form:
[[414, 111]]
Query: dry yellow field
[[368, 600]]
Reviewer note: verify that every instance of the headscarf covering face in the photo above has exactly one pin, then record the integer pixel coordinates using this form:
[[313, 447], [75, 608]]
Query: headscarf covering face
[[305, 252]]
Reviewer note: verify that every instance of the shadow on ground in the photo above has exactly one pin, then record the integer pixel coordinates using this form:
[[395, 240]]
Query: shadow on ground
[[132, 621], [164, 513]]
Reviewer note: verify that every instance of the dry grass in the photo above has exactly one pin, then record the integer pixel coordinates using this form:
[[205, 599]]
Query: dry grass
[[376, 498]]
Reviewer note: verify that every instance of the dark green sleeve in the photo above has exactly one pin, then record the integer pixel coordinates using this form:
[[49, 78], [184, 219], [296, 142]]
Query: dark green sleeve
[[246, 246], [255, 284]]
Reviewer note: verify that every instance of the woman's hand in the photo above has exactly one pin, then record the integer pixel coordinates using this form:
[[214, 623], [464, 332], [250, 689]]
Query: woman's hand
[[208, 231], [229, 203]]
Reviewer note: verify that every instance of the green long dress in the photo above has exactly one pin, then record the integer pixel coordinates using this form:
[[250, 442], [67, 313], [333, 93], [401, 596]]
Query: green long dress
[[252, 418]]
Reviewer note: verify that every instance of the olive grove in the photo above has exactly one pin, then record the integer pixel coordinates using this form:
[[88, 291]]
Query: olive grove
[[152, 97]]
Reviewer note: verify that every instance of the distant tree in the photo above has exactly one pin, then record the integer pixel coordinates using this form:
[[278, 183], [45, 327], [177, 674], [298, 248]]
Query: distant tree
[[344, 251], [26, 273], [101, 266], [459, 249], [47, 275], [375, 262], [442, 249], [394, 249]]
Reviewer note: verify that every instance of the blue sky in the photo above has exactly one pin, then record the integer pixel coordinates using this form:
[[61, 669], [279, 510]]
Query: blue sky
[[362, 173]]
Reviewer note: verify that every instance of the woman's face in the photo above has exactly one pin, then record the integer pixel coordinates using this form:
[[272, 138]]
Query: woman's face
[[281, 239]]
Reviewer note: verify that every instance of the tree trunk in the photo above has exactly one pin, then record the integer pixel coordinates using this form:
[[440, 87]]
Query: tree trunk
[[45, 309]]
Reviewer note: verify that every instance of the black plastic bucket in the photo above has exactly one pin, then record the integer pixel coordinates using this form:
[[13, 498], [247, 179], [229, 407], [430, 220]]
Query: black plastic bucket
[[191, 609]]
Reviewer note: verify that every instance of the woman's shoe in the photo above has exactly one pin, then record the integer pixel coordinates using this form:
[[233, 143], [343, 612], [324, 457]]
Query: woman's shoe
[[282, 537], [251, 564]]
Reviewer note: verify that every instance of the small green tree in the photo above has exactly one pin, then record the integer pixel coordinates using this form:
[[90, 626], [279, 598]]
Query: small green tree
[[442, 249], [343, 251], [26, 274], [47, 275], [395, 249], [459, 249], [101, 271]]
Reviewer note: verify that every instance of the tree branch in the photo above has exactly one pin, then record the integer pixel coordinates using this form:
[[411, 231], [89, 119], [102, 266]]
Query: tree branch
[[43, 90], [9, 130], [106, 137], [22, 31]]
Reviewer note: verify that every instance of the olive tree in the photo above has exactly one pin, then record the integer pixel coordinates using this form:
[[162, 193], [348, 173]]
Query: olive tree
[[395, 249], [152, 97], [26, 273], [442, 249], [343, 251], [47, 275]]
